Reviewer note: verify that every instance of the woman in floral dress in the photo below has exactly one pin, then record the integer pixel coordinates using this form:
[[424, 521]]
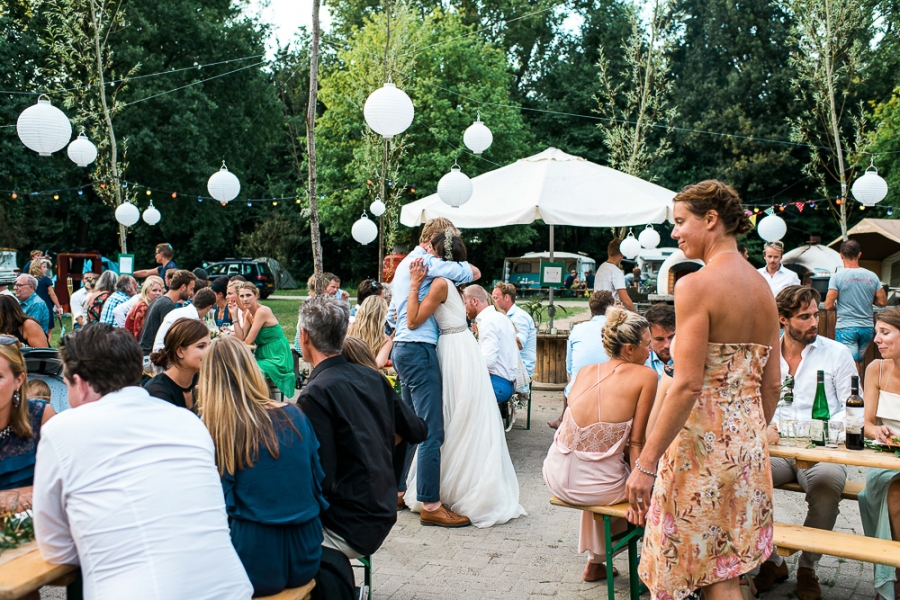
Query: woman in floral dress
[[710, 517]]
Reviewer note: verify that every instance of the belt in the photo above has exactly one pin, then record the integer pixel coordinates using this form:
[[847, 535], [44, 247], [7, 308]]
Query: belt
[[459, 329]]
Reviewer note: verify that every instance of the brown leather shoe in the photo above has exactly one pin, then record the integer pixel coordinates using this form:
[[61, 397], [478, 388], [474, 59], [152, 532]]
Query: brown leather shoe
[[769, 575], [808, 584], [401, 503], [443, 517]]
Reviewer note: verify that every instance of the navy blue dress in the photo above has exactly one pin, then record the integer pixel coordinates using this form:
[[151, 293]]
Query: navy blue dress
[[42, 290], [17, 454], [273, 509]]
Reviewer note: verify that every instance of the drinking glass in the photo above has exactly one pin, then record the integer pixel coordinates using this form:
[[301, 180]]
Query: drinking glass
[[801, 429], [786, 432], [835, 432]]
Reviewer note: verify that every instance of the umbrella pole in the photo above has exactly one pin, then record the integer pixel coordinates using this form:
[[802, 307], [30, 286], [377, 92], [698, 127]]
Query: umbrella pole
[[550, 310]]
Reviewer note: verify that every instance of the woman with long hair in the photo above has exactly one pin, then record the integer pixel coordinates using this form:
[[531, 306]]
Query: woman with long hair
[[879, 503], [14, 322], [602, 430], [268, 458], [261, 328], [369, 327], [40, 271], [20, 423], [103, 287], [185, 344], [220, 313], [706, 460], [152, 288], [231, 299], [357, 351]]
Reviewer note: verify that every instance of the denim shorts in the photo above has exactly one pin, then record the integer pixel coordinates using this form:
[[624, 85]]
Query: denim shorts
[[857, 339]]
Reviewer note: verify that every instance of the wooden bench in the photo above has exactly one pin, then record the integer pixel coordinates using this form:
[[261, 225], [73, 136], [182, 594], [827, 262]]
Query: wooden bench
[[851, 489], [24, 570], [615, 543], [300, 593], [790, 538]]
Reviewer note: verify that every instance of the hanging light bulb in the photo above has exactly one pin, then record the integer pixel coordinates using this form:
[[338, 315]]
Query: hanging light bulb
[[455, 188], [364, 231], [871, 188], [388, 111], [223, 185], [630, 246], [890, 211], [478, 137], [377, 207], [127, 214], [44, 128], [649, 237], [82, 151], [151, 215]]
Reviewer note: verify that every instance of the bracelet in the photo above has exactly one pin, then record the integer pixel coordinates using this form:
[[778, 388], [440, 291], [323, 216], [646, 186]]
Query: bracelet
[[644, 471]]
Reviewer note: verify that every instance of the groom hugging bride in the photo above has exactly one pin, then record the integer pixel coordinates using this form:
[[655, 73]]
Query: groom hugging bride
[[462, 473]]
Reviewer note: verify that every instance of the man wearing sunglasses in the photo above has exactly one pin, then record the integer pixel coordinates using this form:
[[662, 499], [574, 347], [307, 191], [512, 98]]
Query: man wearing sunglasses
[[774, 272]]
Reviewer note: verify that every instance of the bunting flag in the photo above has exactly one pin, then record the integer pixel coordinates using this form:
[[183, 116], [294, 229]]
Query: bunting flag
[[800, 205], [770, 211], [753, 220]]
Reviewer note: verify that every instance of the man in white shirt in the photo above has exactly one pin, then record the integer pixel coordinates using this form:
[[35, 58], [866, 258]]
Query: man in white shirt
[[803, 354], [609, 276], [76, 301], [126, 485], [497, 341], [774, 272], [203, 301], [504, 295]]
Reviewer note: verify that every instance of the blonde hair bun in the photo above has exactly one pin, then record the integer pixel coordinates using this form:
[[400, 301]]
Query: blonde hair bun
[[622, 327]]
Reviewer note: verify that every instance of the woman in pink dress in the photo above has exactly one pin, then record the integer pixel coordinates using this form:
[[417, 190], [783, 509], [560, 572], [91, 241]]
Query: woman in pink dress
[[608, 408], [710, 516]]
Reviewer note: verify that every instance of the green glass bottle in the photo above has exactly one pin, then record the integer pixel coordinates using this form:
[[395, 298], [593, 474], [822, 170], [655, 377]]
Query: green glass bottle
[[818, 428]]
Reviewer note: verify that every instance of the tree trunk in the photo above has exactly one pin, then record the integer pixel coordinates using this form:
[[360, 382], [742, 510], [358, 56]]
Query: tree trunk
[[113, 151], [838, 147], [311, 148]]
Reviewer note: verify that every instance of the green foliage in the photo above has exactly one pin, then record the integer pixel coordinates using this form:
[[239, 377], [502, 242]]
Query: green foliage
[[886, 139]]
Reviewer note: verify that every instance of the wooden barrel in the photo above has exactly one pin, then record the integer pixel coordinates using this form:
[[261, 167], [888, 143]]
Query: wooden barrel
[[550, 371]]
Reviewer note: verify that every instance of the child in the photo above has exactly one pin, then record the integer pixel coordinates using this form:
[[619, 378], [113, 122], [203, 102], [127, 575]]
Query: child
[[38, 390]]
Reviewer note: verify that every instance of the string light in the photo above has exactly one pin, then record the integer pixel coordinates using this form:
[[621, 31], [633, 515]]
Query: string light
[[838, 201], [14, 195], [174, 195], [199, 198], [149, 192], [56, 196], [781, 208]]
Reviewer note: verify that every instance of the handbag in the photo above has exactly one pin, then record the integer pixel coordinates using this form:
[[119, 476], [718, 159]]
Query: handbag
[[523, 381]]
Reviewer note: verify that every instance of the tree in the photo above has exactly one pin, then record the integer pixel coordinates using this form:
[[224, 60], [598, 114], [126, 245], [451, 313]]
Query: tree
[[831, 38], [885, 139]]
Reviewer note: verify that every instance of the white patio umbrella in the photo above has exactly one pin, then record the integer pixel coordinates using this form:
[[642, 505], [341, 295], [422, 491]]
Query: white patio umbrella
[[555, 187]]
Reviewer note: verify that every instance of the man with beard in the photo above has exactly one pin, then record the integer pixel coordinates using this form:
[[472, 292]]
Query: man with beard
[[181, 289], [803, 353], [662, 331]]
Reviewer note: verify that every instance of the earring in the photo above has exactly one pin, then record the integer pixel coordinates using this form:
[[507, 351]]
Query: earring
[[17, 399]]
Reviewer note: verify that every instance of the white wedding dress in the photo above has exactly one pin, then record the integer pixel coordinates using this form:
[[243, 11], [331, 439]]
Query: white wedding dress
[[477, 476]]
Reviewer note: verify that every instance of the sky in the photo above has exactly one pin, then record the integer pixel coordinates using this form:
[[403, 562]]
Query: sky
[[287, 15]]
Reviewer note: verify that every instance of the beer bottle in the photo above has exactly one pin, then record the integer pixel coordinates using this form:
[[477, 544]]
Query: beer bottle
[[856, 418], [818, 427]]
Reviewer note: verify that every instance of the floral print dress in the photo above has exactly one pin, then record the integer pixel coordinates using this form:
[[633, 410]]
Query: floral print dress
[[711, 514]]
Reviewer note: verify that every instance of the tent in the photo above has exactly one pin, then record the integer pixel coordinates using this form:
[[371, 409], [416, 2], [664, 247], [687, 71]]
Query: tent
[[878, 238], [556, 188]]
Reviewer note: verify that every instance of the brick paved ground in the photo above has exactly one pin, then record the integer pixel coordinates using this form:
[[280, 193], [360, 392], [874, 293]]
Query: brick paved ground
[[534, 556]]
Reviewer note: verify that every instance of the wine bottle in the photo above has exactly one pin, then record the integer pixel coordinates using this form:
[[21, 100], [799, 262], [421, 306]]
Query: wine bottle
[[856, 418], [818, 427]]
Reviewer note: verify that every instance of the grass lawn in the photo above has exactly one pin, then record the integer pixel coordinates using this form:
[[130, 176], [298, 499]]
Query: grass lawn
[[563, 312], [297, 292], [286, 313]]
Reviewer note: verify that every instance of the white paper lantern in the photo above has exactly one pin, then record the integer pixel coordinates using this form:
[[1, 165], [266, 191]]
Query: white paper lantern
[[389, 111], [455, 188], [127, 214], [377, 208], [364, 231], [478, 137], [82, 151], [772, 228], [44, 128], [223, 185], [630, 246], [649, 238], [151, 215], [870, 189]]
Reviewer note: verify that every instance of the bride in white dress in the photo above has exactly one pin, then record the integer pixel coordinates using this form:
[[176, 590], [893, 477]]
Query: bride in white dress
[[477, 476]]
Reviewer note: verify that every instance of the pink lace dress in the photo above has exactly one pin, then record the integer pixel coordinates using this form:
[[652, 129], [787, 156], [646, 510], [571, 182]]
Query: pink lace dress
[[586, 466]]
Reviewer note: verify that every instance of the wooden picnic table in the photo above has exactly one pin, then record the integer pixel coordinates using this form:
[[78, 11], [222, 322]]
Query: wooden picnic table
[[807, 457], [23, 570]]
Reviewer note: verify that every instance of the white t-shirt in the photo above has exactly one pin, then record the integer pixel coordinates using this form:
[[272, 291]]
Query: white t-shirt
[[609, 277], [76, 304], [185, 312], [120, 313], [497, 340], [127, 487]]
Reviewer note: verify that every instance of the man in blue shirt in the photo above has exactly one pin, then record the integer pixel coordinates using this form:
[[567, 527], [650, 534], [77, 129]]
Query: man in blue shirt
[[164, 254], [662, 331], [585, 345], [526, 333], [415, 360], [126, 287], [31, 303]]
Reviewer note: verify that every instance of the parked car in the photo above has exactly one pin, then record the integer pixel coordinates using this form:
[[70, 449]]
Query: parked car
[[254, 271]]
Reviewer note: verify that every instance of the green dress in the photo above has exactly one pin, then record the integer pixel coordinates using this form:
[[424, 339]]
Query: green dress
[[273, 354]]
